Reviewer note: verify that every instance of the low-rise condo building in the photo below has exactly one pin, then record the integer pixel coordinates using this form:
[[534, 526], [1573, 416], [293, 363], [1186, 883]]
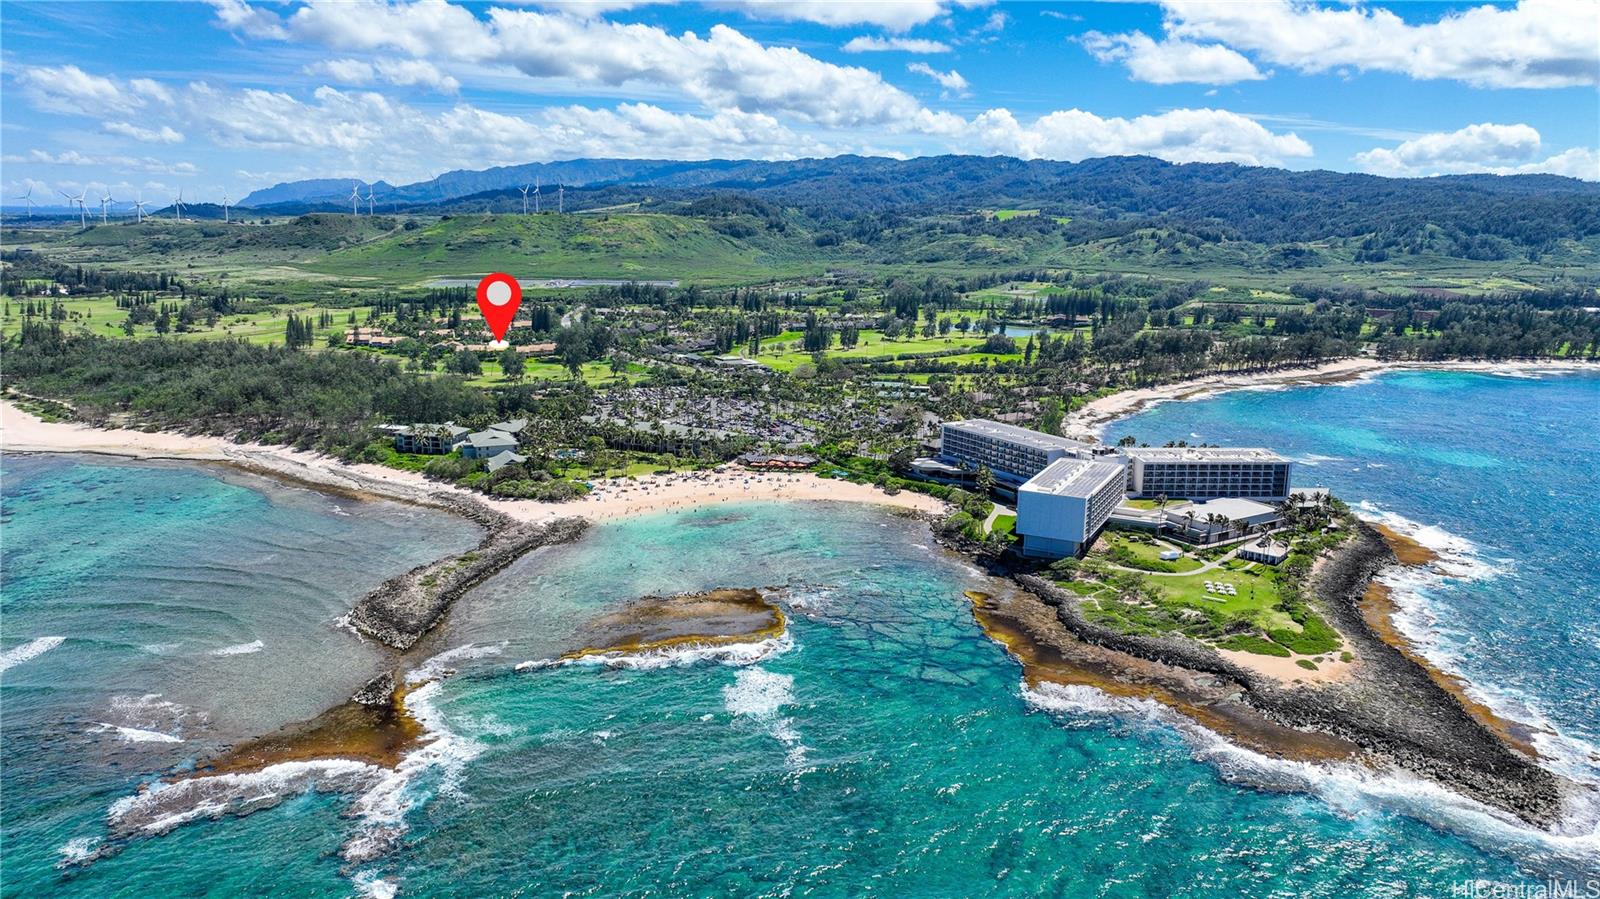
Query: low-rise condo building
[[1014, 454], [430, 440], [1062, 508], [1207, 472]]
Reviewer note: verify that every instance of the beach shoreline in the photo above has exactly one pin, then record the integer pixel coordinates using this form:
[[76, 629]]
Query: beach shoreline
[[1090, 421], [611, 500]]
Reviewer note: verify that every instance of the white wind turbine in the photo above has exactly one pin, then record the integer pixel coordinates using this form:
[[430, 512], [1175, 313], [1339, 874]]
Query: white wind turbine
[[225, 218], [28, 199], [369, 201], [105, 206], [82, 218], [138, 209], [177, 206], [355, 198], [561, 198], [524, 189], [536, 196]]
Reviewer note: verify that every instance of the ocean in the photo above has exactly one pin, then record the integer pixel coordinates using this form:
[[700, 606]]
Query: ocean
[[883, 746]]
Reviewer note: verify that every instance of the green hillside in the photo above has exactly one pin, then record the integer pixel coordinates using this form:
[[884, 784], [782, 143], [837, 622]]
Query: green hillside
[[571, 246]]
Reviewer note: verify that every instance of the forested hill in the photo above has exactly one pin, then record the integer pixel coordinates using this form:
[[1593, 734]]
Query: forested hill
[[1475, 216]]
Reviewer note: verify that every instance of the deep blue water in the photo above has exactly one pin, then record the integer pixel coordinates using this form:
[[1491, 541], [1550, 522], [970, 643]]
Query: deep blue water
[[884, 748]]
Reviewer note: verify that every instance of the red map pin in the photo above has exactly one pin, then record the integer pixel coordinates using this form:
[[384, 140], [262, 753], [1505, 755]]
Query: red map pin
[[499, 295]]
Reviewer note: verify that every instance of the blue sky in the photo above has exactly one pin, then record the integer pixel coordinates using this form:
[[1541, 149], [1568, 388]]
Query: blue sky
[[229, 96]]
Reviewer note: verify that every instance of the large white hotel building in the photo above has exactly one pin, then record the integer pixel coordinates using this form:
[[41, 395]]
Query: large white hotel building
[[1066, 490]]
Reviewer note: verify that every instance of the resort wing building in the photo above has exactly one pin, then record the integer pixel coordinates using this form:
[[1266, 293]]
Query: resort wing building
[[1207, 472], [1014, 454], [1062, 508]]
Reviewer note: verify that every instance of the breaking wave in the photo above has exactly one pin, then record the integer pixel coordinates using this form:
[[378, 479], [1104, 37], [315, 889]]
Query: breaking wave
[[674, 656], [1572, 847], [29, 650], [240, 649]]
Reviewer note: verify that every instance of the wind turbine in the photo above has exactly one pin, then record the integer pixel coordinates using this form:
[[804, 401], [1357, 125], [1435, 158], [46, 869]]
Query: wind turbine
[[369, 201], [355, 198], [82, 222], [536, 196], [28, 198], [177, 206], [105, 206], [225, 218], [561, 198], [524, 189], [138, 209]]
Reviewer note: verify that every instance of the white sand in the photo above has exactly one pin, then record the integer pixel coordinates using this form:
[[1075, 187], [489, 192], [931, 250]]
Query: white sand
[[1286, 671], [611, 500], [1090, 421]]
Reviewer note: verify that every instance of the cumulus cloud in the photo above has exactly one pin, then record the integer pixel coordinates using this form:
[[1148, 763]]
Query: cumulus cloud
[[865, 44], [1171, 61], [163, 135], [399, 72], [951, 81], [70, 90], [723, 70], [241, 17], [1179, 135], [1535, 44], [1485, 148]]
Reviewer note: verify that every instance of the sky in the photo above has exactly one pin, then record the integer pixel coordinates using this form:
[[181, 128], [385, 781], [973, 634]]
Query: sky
[[223, 97]]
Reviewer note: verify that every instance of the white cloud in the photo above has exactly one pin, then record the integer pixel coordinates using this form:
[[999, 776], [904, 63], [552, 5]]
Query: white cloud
[[895, 15], [1180, 135], [951, 81], [399, 72], [1484, 148], [865, 44], [115, 163], [1537, 43], [70, 90], [723, 70], [239, 16], [1171, 61], [163, 135]]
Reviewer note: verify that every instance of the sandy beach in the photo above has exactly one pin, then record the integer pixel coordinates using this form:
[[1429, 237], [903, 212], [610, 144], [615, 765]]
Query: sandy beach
[[612, 499], [1090, 421]]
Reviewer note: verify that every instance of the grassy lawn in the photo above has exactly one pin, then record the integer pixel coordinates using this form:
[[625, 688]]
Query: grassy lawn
[[1004, 525], [873, 344], [1257, 599], [100, 316], [1005, 214], [593, 373], [1138, 553], [1150, 504]]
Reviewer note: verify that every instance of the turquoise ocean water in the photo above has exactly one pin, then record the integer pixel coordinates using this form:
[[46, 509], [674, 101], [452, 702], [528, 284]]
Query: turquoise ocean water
[[883, 747]]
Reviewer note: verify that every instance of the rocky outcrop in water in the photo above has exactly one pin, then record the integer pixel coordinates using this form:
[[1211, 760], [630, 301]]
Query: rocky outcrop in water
[[1390, 708], [407, 606]]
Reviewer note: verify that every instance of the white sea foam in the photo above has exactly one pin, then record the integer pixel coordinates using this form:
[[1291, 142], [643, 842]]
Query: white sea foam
[[1425, 623], [760, 694], [240, 649], [371, 886], [1314, 459], [444, 661], [139, 735], [1355, 791], [78, 850], [674, 656], [29, 650]]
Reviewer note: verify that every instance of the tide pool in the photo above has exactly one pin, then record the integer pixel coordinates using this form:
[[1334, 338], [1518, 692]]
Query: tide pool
[[884, 747]]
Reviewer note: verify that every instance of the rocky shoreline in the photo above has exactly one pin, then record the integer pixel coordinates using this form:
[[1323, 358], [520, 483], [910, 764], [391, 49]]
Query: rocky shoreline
[[405, 607], [1390, 713]]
